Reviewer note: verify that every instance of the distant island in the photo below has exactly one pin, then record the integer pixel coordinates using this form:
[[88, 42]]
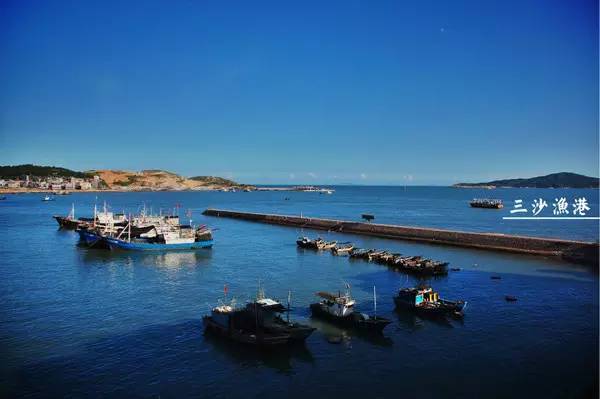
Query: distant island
[[554, 180], [23, 178]]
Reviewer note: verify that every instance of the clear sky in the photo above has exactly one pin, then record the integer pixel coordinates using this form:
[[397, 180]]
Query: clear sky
[[373, 92]]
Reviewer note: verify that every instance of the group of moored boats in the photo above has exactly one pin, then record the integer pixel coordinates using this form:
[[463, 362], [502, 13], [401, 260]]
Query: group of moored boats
[[409, 264], [108, 230], [261, 321]]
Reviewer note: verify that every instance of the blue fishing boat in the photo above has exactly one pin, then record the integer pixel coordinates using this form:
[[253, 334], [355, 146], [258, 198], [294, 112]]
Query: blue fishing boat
[[92, 238], [183, 237], [140, 244]]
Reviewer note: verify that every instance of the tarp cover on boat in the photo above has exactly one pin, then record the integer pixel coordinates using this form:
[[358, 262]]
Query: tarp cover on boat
[[327, 295]]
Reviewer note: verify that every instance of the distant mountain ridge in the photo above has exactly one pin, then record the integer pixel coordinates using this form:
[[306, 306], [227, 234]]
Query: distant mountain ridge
[[554, 180], [150, 179]]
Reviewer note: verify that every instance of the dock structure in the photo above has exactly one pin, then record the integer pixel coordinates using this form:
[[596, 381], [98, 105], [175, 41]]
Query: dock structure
[[574, 251]]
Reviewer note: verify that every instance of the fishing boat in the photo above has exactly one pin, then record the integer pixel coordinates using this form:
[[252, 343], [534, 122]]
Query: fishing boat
[[425, 300], [325, 245], [2, 198], [268, 313], [486, 203], [92, 236], [305, 242], [339, 309], [47, 198], [343, 248], [70, 222], [184, 237], [418, 265], [232, 323], [361, 253]]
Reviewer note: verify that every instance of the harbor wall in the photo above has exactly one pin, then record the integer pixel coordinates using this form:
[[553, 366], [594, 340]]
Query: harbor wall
[[574, 251]]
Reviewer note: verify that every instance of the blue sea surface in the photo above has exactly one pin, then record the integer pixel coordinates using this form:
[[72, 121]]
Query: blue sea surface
[[78, 322]]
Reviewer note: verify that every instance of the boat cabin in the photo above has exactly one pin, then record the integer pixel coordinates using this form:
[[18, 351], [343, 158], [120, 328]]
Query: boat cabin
[[418, 296]]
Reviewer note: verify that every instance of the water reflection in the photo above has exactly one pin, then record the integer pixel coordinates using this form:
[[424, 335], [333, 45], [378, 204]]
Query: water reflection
[[172, 260], [335, 334], [411, 321], [279, 358]]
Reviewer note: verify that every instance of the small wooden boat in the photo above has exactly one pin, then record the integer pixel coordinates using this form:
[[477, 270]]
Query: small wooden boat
[[426, 301], [510, 298], [360, 253], [342, 248], [339, 309], [2, 198], [325, 245]]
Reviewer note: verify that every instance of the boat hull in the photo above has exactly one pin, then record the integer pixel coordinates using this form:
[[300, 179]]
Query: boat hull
[[353, 320], [92, 239], [244, 337], [67, 223], [445, 308], [116, 244]]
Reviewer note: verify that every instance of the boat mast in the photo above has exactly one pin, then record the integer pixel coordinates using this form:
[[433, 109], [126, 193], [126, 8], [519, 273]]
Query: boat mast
[[95, 214], [289, 302], [129, 229], [375, 301]]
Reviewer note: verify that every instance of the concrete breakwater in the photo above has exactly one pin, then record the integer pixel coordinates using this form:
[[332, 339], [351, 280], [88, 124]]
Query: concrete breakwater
[[574, 251]]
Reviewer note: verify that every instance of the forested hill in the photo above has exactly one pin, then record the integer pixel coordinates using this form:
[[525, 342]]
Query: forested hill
[[14, 172], [554, 180]]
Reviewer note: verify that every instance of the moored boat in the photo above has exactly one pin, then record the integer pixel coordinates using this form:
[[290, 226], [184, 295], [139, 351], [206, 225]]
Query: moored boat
[[426, 301], [305, 242], [231, 323], [339, 309], [268, 313], [486, 203], [343, 248], [178, 238]]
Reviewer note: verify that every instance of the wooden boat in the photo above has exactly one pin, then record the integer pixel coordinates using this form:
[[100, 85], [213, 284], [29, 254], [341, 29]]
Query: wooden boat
[[426, 301], [342, 248], [339, 309], [486, 203], [418, 265], [360, 253], [325, 245], [2, 198]]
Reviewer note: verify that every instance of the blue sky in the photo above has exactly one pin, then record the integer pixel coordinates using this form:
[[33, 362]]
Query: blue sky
[[423, 92]]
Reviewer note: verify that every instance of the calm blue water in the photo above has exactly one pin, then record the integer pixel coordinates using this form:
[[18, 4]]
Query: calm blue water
[[81, 322]]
